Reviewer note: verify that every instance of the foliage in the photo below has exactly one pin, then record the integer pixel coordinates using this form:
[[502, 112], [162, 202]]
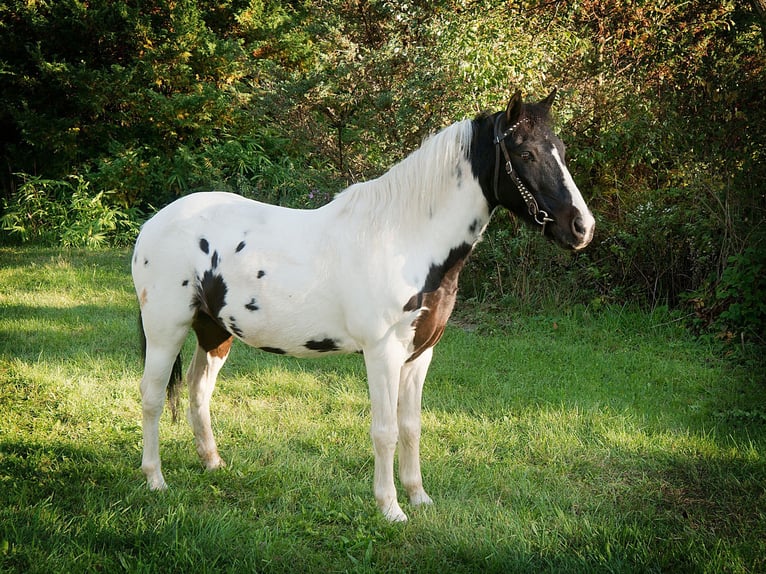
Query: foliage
[[671, 143], [67, 213], [565, 441], [740, 294], [661, 105]]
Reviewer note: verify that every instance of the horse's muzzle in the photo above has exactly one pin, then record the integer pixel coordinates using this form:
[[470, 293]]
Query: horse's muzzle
[[576, 231], [582, 228]]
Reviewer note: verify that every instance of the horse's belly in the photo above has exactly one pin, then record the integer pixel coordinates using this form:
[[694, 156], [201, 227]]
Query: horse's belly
[[303, 347], [289, 323]]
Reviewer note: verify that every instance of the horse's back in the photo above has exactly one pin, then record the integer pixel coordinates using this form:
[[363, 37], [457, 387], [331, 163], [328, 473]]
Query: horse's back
[[192, 217], [197, 227]]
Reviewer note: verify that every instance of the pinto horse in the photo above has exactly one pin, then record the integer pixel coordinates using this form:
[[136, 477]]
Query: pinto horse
[[374, 271]]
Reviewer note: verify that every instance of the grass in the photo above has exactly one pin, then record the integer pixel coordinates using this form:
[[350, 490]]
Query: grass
[[565, 441]]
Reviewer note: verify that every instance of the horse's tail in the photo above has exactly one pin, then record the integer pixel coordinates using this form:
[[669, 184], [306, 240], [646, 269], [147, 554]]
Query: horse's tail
[[176, 375]]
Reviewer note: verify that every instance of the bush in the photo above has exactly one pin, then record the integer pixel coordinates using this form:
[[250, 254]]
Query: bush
[[740, 295], [67, 213]]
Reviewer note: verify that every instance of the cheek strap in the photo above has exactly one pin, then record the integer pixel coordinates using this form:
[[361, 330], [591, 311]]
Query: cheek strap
[[540, 216]]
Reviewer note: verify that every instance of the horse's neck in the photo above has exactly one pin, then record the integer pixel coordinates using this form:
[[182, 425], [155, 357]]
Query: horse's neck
[[461, 215], [443, 176], [430, 199]]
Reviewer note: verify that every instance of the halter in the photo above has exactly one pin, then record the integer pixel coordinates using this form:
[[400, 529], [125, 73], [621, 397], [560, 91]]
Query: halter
[[540, 216]]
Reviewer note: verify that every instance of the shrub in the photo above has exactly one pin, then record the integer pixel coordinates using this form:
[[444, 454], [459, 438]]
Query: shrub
[[741, 296], [67, 213]]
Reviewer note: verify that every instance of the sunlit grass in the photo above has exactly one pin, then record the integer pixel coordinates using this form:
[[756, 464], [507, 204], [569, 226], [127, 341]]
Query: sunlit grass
[[564, 441]]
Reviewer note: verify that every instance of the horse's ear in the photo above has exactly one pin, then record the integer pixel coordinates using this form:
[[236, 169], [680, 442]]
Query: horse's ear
[[513, 110], [548, 102]]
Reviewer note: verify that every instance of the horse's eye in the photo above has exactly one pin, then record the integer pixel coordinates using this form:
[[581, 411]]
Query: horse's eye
[[526, 156]]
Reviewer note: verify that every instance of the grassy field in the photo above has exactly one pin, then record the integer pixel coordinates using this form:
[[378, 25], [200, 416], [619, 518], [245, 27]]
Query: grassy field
[[569, 441]]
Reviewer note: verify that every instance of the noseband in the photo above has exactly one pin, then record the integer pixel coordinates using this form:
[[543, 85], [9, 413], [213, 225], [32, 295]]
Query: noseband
[[540, 216]]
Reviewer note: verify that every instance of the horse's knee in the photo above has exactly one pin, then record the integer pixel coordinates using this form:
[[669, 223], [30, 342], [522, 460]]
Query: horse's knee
[[409, 433], [384, 439]]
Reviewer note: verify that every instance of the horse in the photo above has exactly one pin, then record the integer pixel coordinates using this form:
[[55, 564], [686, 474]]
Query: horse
[[374, 271]]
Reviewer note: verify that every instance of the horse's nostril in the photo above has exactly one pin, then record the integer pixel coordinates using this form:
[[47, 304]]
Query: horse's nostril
[[578, 226]]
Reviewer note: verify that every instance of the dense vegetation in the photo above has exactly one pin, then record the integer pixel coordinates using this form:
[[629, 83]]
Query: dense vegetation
[[111, 109]]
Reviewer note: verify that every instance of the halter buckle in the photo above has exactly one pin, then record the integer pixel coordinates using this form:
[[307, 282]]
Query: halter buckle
[[541, 217]]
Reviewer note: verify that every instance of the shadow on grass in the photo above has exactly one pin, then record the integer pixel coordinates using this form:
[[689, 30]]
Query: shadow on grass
[[68, 509]]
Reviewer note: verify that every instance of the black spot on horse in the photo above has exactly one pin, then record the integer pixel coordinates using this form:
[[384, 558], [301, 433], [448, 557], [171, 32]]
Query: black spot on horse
[[324, 346], [240, 247], [252, 306], [261, 274], [473, 227], [211, 294], [146, 262], [233, 327], [204, 245], [214, 260], [275, 350], [184, 283]]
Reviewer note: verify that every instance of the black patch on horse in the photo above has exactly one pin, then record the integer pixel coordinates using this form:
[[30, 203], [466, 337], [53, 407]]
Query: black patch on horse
[[324, 346], [211, 335], [437, 271], [415, 302], [261, 274], [214, 260], [204, 245], [240, 247], [252, 306], [233, 327], [211, 294], [275, 350]]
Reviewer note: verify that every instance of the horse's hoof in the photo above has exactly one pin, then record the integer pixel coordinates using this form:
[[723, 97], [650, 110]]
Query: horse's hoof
[[215, 464], [157, 485], [394, 513], [420, 498]]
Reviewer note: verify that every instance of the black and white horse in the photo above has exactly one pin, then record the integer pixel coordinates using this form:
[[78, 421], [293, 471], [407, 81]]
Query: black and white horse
[[374, 271]]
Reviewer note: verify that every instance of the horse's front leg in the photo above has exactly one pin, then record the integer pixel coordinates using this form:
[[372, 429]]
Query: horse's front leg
[[413, 375], [384, 363]]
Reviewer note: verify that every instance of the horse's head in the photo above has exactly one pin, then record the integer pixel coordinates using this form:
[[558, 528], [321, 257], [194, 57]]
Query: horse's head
[[530, 176]]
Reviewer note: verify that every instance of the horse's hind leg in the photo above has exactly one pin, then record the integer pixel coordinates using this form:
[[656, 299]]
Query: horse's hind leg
[[212, 350], [158, 365], [413, 376]]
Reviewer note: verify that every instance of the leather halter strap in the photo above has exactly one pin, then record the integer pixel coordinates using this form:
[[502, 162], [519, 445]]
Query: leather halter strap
[[540, 216]]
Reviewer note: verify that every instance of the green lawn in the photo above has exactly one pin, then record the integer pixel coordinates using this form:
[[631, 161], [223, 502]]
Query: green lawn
[[570, 441]]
